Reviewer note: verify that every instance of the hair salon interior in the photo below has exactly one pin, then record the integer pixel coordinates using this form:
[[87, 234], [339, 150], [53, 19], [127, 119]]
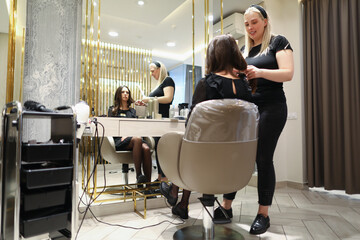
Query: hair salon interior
[[61, 63]]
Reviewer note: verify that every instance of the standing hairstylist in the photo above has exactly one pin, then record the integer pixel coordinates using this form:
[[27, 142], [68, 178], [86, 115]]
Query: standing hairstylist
[[164, 92], [270, 63]]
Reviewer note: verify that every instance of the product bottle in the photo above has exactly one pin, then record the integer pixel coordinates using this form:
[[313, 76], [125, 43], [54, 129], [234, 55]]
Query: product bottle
[[176, 111], [150, 109], [172, 111], [156, 106]]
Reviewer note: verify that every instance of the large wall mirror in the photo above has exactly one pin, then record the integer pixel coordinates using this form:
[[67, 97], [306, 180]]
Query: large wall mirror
[[133, 33]]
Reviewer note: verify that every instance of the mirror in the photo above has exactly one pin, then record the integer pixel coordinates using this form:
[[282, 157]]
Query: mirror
[[158, 30], [161, 29]]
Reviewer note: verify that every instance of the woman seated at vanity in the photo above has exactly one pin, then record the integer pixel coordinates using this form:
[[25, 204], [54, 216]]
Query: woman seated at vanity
[[141, 151]]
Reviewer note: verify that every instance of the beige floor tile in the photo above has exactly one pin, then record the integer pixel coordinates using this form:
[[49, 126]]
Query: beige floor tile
[[352, 217], [300, 199], [319, 230], [121, 233], [286, 190], [274, 208], [297, 233], [295, 215], [284, 201], [275, 232], [314, 197], [96, 233], [249, 209], [321, 209], [357, 209], [352, 238], [286, 221], [340, 226], [236, 213]]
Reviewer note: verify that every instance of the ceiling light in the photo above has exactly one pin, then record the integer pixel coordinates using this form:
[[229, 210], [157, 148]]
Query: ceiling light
[[171, 44], [113, 34], [211, 18], [140, 3]]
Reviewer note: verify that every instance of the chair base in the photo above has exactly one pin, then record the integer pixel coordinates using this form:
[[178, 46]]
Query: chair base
[[195, 232]]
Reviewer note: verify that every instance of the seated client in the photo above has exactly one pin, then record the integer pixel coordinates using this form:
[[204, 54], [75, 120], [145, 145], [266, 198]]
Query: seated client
[[141, 151], [224, 64]]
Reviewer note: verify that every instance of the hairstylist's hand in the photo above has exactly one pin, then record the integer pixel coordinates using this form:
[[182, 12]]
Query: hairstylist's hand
[[253, 72], [139, 103], [236, 72]]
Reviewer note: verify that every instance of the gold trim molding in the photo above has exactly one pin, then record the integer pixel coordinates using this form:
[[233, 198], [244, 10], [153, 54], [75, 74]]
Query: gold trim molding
[[11, 52]]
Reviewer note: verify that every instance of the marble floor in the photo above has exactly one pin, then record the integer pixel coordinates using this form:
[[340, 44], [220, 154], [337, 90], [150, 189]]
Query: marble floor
[[295, 215]]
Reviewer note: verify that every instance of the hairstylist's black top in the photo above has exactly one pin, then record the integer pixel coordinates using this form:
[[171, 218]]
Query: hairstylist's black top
[[159, 92], [268, 91]]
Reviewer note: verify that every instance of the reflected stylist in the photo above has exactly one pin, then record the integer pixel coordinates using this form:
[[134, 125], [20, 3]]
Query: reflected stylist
[[164, 91]]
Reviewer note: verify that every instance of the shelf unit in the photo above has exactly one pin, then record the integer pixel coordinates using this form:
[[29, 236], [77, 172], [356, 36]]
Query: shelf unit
[[38, 193]]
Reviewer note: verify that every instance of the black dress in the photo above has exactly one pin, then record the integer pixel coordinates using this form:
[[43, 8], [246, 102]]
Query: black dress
[[120, 144], [163, 110]]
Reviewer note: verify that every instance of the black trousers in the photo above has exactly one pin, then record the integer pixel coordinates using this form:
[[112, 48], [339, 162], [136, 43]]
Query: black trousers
[[271, 123]]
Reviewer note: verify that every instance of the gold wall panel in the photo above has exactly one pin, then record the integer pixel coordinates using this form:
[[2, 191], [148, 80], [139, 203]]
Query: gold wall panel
[[118, 65], [11, 52]]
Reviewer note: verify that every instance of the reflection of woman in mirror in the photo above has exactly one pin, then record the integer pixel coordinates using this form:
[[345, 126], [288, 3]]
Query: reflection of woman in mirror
[[165, 94], [140, 150], [164, 90], [223, 63]]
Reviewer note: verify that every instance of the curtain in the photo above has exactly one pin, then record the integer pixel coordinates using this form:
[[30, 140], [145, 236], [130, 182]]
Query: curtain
[[331, 31]]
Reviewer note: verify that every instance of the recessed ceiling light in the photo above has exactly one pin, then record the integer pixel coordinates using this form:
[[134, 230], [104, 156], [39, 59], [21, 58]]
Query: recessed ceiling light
[[170, 44], [140, 3], [211, 18], [95, 4], [113, 34]]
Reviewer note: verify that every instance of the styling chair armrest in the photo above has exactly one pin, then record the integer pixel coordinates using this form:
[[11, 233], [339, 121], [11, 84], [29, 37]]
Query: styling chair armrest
[[150, 142], [169, 147]]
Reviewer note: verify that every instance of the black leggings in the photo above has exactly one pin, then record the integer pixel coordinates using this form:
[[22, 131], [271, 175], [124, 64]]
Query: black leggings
[[272, 121], [156, 156]]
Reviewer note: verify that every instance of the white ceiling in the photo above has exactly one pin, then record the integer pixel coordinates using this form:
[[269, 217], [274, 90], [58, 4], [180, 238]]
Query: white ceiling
[[157, 22]]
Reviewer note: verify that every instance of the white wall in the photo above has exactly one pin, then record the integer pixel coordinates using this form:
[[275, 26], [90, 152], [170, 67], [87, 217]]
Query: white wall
[[3, 66], [285, 17]]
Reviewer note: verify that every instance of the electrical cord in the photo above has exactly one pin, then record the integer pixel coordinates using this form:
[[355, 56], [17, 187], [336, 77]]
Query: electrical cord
[[91, 200], [92, 176]]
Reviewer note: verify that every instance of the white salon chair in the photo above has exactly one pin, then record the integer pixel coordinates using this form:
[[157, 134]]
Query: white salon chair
[[216, 155], [109, 153]]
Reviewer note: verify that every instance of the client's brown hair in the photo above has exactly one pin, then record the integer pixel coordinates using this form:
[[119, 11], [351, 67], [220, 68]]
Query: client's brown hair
[[117, 99], [223, 54]]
